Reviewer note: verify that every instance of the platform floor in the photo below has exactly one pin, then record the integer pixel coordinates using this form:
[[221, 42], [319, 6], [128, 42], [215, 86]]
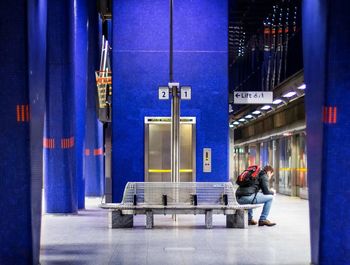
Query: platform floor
[[86, 239]]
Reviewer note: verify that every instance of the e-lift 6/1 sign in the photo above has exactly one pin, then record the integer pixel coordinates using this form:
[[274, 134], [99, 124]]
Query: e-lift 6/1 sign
[[252, 97]]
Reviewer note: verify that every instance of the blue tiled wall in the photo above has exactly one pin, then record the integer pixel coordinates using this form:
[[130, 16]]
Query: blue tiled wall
[[141, 64]]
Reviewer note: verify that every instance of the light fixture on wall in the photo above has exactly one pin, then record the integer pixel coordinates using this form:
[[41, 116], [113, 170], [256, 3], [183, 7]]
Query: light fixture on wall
[[242, 120], [266, 107], [303, 86], [257, 112], [277, 101], [249, 116], [289, 94]]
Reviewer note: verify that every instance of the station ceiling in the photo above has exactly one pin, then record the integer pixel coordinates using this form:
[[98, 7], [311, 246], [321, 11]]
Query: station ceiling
[[246, 19]]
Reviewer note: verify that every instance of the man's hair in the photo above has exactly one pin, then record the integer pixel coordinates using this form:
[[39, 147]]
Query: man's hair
[[268, 168]]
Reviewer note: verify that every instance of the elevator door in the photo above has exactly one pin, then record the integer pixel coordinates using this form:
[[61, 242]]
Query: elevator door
[[158, 149]]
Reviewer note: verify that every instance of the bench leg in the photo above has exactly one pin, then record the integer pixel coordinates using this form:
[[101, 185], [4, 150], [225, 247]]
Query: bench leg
[[149, 219], [237, 220], [118, 220], [209, 219]]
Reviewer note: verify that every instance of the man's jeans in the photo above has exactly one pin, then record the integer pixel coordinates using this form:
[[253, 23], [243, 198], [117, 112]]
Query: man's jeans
[[260, 198]]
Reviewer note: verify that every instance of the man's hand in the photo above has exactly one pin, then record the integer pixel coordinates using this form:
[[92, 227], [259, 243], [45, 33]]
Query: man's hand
[[274, 191]]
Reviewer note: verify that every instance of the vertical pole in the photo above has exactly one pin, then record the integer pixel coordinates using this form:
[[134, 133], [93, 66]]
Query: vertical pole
[[175, 135], [175, 110], [171, 73]]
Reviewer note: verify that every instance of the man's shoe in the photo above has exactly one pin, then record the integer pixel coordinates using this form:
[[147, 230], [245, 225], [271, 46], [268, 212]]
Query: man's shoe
[[252, 222], [266, 222]]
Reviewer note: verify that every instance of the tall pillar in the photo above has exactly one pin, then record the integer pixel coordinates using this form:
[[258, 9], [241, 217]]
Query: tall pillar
[[59, 138], [37, 10], [326, 57], [22, 53], [80, 88], [93, 167]]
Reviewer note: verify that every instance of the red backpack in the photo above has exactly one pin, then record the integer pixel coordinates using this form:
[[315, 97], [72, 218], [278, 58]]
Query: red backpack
[[248, 177]]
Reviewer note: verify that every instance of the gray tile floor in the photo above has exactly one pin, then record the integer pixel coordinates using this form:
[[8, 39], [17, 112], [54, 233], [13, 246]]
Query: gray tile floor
[[86, 239]]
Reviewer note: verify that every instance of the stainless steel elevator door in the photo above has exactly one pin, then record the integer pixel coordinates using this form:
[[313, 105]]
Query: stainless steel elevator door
[[157, 152]]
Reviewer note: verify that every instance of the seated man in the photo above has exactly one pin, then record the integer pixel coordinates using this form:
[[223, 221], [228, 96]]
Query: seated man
[[251, 195]]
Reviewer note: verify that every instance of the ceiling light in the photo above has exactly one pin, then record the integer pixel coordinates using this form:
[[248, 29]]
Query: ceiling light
[[241, 120], [303, 86], [277, 101], [257, 112], [248, 116], [289, 94], [231, 125], [287, 134], [235, 123], [266, 107]]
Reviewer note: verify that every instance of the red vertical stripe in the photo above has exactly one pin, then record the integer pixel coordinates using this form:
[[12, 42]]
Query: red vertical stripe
[[98, 151], [335, 115], [18, 113], [330, 114], [27, 112], [22, 113]]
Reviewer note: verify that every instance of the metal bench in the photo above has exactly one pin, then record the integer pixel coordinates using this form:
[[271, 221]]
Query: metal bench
[[151, 198]]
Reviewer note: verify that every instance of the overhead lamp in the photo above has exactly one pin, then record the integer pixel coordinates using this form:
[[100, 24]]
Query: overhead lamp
[[289, 94], [257, 112], [303, 86], [231, 125], [277, 101], [249, 116], [241, 120], [235, 123], [266, 107]]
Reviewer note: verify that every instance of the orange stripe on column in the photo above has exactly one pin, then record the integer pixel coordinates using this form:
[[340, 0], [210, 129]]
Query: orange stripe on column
[[27, 112], [335, 115], [18, 113], [22, 113], [98, 151], [330, 114]]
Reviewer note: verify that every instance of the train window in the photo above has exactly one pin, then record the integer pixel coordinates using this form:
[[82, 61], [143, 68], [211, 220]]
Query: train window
[[285, 166]]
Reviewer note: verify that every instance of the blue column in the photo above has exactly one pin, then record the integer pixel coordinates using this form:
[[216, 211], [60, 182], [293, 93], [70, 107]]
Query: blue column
[[326, 57], [93, 167], [59, 139], [21, 142], [37, 10], [80, 87]]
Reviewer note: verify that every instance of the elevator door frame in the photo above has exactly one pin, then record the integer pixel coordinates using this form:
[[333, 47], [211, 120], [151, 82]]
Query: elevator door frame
[[167, 120]]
